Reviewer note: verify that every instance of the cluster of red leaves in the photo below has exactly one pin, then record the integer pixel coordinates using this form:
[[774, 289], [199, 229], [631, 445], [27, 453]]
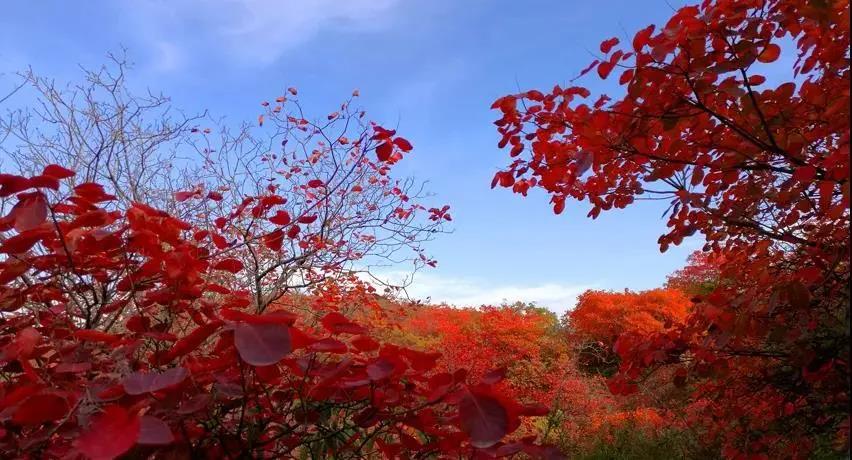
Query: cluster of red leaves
[[602, 316], [760, 170], [119, 334]]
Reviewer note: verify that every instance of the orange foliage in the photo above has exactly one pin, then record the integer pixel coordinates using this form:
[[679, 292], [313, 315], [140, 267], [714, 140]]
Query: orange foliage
[[479, 340], [604, 315]]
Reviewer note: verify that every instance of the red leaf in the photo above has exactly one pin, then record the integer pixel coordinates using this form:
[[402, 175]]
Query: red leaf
[[403, 144], [139, 383], [23, 345], [380, 368], [91, 335], [183, 196], [41, 408], [112, 433], [314, 183], [626, 76], [10, 184], [153, 431], [384, 151], [219, 241], [190, 342], [641, 38], [92, 192], [604, 69], [804, 173], [590, 67], [329, 345], [22, 242], [756, 80], [770, 53], [484, 419], [307, 219], [293, 231], [229, 265], [274, 240], [338, 324], [380, 133], [29, 212], [57, 172], [44, 182], [419, 360], [280, 218], [559, 206], [261, 344], [607, 45], [364, 343]]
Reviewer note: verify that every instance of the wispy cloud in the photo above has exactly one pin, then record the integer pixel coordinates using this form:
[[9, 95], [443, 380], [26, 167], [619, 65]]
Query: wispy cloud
[[254, 31], [474, 292], [167, 56]]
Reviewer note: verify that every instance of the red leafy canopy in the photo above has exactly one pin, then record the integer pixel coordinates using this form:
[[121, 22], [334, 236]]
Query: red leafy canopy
[[759, 169], [123, 324]]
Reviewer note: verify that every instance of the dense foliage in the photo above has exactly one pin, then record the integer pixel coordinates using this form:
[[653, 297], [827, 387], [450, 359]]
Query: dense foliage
[[127, 330], [758, 168]]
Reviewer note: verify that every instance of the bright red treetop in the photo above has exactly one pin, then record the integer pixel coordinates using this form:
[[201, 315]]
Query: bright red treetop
[[603, 315]]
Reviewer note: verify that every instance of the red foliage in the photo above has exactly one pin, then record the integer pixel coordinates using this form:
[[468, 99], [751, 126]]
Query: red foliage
[[760, 169], [478, 340], [604, 315], [700, 275], [120, 334]]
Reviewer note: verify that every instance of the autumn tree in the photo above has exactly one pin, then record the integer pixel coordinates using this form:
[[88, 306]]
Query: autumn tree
[[700, 276], [759, 168], [218, 327], [600, 317], [303, 199], [123, 332]]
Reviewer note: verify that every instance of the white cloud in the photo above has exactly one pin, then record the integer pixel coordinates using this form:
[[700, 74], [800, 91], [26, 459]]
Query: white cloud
[[255, 31], [473, 292], [167, 56]]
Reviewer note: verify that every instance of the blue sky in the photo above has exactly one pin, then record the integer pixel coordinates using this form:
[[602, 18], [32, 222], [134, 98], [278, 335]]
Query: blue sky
[[431, 67]]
